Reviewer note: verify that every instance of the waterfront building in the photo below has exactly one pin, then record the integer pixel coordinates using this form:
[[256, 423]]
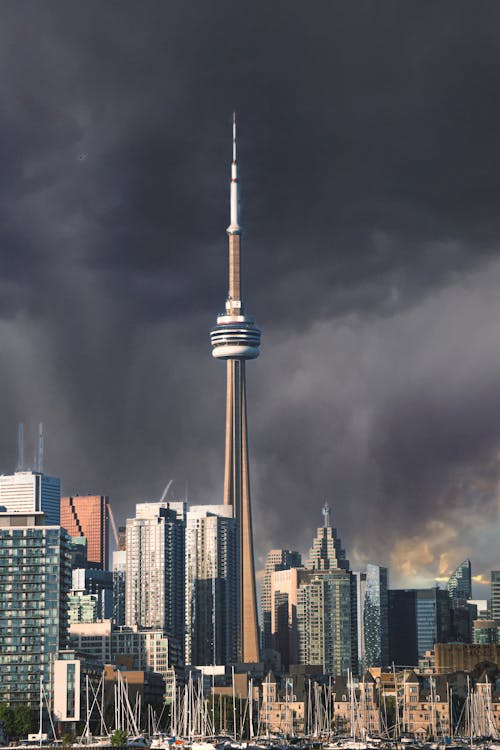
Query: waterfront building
[[367, 719], [88, 516], [31, 492], [149, 650], [154, 588], [280, 711], [211, 585], [277, 559], [35, 579], [426, 710], [236, 339], [119, 578], [376, 617]]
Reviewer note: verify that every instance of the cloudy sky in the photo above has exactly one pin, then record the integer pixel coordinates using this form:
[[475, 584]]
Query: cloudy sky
[[370, 169]]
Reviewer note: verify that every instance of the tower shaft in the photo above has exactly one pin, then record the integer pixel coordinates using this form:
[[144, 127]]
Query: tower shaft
[[237, 494]]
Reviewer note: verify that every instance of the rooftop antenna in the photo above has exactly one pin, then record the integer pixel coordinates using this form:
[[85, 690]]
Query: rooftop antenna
[[20, 447], [40, 447]]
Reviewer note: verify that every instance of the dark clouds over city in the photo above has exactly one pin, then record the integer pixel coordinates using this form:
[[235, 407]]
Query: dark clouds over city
[[370, 168]]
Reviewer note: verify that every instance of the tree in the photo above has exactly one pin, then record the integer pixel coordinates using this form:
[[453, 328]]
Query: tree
[[119, 738], [7, 719], [23, 719]]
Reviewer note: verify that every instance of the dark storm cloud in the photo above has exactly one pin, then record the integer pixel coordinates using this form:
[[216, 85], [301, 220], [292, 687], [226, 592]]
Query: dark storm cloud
[[370, 174]]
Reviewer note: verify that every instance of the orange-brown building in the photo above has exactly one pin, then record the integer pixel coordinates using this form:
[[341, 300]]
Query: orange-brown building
[[88, 516]]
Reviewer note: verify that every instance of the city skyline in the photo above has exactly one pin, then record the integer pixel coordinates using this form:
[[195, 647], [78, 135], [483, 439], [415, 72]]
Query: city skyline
[[370, 202]]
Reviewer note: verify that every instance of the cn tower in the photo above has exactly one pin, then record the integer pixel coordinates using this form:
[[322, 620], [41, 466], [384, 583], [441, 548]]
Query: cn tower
[[236, 338]]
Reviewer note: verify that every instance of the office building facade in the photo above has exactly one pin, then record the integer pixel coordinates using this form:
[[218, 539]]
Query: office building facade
[[88, 516], [31, 492]]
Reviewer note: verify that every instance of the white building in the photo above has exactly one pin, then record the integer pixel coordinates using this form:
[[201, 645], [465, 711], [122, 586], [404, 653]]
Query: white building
[[31, 492], [154, 588], [211, 585]]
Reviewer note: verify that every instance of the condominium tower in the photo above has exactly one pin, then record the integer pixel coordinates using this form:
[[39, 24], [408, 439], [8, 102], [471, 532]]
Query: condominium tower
[[35, 579], [211, 585], [154, 588], [236, 339]]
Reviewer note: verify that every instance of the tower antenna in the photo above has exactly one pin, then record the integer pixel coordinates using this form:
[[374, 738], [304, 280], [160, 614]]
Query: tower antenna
[[20, 447], [40, 447]]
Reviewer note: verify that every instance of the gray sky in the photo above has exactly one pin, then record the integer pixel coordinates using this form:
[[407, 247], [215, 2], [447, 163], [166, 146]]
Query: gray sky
[[370, 163]]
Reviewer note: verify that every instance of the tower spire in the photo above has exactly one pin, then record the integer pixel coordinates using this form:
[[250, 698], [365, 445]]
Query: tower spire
[[234, 226]]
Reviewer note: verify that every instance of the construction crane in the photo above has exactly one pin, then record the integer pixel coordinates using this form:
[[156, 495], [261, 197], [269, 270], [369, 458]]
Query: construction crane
[[165, 491], [113, 526]]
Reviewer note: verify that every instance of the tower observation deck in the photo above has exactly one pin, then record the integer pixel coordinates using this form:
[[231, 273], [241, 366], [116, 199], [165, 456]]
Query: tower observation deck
[[235, 339]]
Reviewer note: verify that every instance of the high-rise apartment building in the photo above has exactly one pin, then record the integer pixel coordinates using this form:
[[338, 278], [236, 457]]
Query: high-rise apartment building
[[236, 339], [119, 578], [284, 600], [35, 578], [376, 617], [326, 605], [495, 595], [31, 492], [460, 582], [211, 585], [359, 580], [324, 621], [88, 516], [277, 559], [154, 588]]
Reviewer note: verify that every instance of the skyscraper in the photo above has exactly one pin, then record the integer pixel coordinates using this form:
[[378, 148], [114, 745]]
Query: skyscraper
[[460, 582], [88, 516], [277, 559], [119, 578], [31, 492], [326, 605], [495, 595], [236, 339], [376, 617], [154, 584], [418, 618], [35, 579], [211, 585]]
